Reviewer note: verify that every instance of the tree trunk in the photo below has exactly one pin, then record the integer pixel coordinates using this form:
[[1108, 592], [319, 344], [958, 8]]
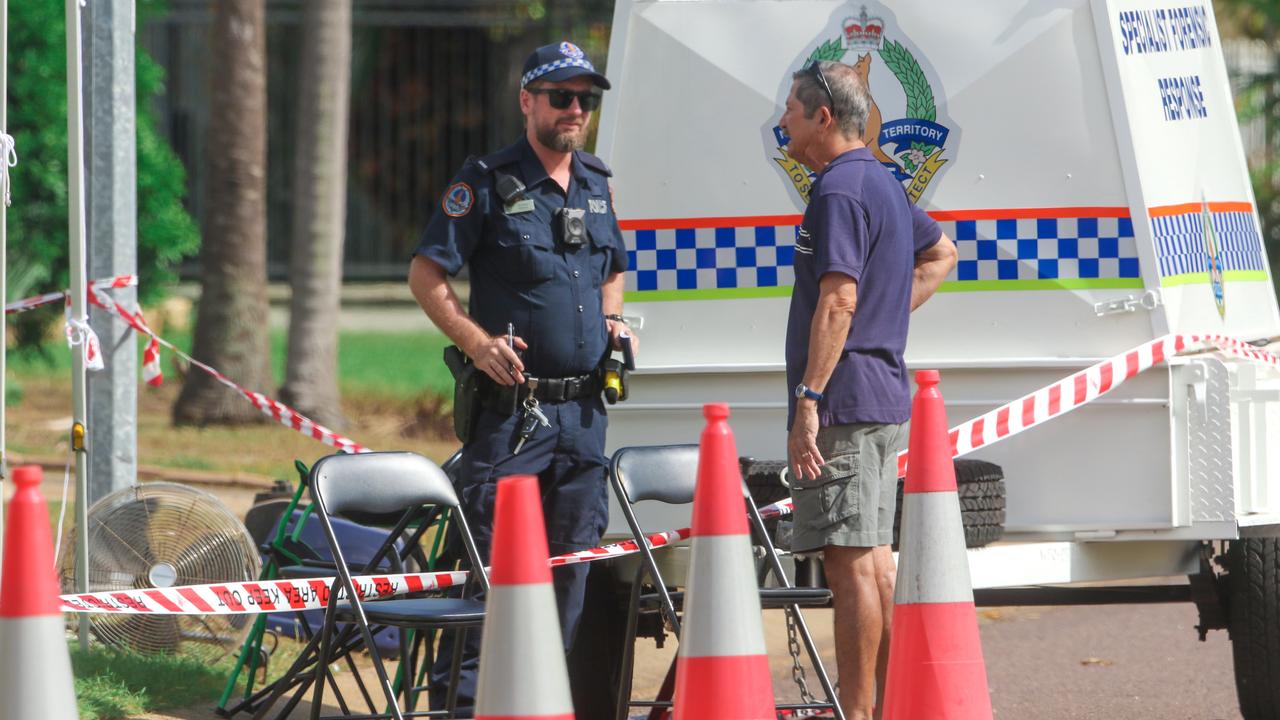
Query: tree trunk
[[231, 324], [319, 219]]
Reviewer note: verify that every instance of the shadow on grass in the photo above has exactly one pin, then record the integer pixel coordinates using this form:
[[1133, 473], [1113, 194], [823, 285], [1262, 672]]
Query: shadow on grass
[[116, 684]]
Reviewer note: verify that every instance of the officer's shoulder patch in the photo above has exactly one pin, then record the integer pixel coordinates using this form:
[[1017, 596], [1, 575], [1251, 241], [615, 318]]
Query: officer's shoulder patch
[[457, 200], [594, 163]]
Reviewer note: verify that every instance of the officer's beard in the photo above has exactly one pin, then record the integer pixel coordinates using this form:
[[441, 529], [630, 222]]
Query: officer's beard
[[562, 141]]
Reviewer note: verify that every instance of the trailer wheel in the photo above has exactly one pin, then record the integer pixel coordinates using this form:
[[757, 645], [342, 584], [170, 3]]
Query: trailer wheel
[[764, 480], [1253, 610], [981, 488]]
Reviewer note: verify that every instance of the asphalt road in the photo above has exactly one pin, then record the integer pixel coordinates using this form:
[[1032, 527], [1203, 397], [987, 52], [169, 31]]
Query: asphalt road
[[1061, 663], [1131, 662]]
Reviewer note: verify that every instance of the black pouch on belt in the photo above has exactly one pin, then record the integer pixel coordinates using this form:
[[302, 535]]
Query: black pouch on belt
[[465, 386]]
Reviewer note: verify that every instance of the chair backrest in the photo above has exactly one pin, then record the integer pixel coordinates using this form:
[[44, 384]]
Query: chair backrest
[[379, 483], [666, 473], [384, 483]]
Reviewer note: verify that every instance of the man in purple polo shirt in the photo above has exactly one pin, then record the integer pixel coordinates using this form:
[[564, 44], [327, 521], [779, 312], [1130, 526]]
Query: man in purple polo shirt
[[866, 256]]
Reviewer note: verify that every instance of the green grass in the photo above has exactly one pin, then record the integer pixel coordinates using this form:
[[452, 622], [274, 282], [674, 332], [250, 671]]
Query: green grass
[[189, 462], [114, 684], [391, 364]]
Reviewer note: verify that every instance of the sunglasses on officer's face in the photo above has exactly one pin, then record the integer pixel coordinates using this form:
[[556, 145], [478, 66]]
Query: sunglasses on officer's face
[[560, 98]]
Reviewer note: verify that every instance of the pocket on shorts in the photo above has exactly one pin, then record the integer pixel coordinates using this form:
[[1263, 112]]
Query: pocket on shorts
[[833, 496]]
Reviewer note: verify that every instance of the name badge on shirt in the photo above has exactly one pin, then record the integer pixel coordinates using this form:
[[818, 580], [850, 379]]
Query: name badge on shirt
[[519, 206], [597, 205]]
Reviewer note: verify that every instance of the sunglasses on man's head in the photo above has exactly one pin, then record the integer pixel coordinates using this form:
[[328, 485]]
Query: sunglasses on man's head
[[560, 98], [822, 80]]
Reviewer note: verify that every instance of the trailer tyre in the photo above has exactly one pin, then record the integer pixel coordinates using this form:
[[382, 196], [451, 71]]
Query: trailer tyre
[[981, 488], [1253, 611]]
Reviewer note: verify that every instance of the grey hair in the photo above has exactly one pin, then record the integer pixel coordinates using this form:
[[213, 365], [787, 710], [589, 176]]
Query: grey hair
[[850, 98]]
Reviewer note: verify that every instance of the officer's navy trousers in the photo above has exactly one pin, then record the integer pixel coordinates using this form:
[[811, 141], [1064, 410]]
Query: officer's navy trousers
[[569, 460]]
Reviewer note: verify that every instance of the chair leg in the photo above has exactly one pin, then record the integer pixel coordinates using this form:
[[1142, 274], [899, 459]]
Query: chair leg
[[424, 660], [623, 708], [665, 693], [292, 677], [455, 671], [355, 674], [322, 665], [803, 628], [408, 648]]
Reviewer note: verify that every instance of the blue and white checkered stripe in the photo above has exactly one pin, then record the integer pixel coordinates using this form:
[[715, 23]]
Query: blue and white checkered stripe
[[1074, 248], [541, 70], [711, 258], [716, 258], [1181, 247]]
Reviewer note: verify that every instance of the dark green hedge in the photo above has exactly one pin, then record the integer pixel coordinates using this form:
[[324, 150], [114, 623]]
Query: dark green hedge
[[37, 114]]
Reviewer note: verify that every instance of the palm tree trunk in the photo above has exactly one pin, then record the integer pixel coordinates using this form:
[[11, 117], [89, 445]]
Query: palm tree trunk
[[320, 201], [231, 324]]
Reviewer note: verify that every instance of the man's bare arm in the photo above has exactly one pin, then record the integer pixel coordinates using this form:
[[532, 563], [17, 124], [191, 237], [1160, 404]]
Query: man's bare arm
[[611, 301], [837, 300], [430, 287], [932, 267]]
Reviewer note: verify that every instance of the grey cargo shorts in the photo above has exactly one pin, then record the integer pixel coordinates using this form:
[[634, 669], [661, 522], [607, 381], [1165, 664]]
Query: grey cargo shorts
[[851, 504]]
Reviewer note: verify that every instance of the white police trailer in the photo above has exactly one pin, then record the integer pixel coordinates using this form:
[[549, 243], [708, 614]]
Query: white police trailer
[[1085, 157]]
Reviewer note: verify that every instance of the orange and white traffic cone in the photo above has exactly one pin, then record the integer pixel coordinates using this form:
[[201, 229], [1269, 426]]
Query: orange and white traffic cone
[[522, 668], [936, 669], [35, 665], [722, 669]]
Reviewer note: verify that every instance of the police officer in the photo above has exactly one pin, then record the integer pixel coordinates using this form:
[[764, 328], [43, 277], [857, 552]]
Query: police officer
[[535, 224]]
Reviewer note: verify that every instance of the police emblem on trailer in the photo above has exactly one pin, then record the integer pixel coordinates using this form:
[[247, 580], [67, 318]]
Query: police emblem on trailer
[[913, 144], [457, 200], [1213, 258]]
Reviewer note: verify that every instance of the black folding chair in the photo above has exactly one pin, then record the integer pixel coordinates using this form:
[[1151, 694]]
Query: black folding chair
[[669, 474], [381, 485]]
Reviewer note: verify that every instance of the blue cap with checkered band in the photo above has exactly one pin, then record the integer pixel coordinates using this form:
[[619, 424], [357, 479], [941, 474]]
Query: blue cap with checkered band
[[560, 61]]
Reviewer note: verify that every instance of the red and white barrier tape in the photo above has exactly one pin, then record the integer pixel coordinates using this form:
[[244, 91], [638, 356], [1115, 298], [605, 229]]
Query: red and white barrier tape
[[274, 409], [1081, 388], [1085, 386], [49, 298], [253, 597], [311, 594]]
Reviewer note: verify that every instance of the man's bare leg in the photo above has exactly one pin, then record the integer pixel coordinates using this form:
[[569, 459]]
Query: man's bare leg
[[859, 625], [886, 577]]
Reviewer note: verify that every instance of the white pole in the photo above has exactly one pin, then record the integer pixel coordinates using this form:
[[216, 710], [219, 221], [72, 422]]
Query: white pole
[[76, 249], [4, 244]]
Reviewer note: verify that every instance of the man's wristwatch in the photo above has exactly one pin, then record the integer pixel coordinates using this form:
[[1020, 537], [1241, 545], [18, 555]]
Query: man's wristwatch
[[803, 391], [616, 318]]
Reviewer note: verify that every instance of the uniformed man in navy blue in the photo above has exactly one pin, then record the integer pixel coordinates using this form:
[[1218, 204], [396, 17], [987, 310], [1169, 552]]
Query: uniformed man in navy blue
[[535, 224]]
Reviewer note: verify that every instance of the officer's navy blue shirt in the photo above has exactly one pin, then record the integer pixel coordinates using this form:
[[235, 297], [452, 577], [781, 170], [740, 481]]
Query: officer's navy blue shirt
[[520, 271], [859, 223]]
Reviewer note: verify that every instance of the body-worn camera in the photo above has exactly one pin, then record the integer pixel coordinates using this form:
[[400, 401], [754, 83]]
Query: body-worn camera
[[572, 224]]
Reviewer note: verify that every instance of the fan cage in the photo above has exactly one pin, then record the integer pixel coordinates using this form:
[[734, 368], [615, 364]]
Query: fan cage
[[162, 534]]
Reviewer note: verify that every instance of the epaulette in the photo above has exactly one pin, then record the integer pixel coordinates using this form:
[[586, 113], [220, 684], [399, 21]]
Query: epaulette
[[505, 156], [594, 163]]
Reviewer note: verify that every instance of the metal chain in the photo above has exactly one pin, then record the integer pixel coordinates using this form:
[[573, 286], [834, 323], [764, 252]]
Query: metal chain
[[797, 670]]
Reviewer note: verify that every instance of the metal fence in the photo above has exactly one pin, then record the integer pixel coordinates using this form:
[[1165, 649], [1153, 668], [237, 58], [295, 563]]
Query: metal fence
[[433, 81]]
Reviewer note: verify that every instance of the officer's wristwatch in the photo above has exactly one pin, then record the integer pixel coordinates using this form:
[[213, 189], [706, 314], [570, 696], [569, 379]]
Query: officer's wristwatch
[[803, 391], [616, 318]]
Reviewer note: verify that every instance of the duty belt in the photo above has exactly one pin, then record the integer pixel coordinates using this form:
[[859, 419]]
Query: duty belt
[[503, 398]]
